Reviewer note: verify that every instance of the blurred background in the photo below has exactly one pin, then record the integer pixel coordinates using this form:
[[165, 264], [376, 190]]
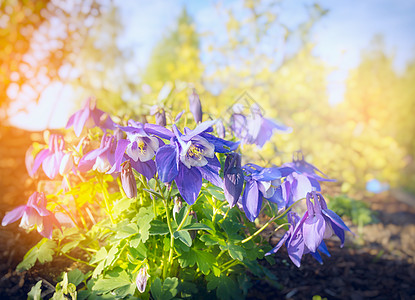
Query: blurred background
[[341, 74]]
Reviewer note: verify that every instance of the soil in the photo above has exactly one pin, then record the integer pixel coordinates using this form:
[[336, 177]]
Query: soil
[[378, 263]]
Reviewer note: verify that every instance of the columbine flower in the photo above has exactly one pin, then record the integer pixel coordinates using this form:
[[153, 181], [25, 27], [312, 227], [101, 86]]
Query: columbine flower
[[140, 147], [160, 115], [101, 159], [66, 164], [34, 213], [50, 158], [233, 178], [260, 182], [195, 106], [254, 128], [320, 222], [89, 116], [300, 179], [191, 157], [141, 280], [128, 182], [307, 172], [294, 241]]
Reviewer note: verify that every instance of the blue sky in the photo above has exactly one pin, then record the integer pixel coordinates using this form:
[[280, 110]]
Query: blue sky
[[339, 37]]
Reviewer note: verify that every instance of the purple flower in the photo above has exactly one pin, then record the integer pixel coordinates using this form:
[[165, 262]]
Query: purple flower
[[141, 280], [89, 116], [34, 213], [191, 157], [101, 159], [300, 179], [233, 178], [160, 115], [294, 242], [260, 182], [195, 106], [307, 170], [320, 222], [50, 158], [254, 128], [128, 182], [140, 147]]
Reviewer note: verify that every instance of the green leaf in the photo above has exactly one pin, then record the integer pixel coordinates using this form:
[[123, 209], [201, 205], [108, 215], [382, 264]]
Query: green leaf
[[210, 240], [180, 215], [144, 218], [226, 287], [99, 256], [158, 228], [196, 226], [235, 251], [126, 231], [35, 291], [42, 251], [119, 282], [204, 260], [215, 192], [184, 236], [231, 228], [167, 290], [75, 276], [69, 246]]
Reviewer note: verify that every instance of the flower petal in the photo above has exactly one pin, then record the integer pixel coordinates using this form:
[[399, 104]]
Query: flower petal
[[221, 146], [39, 159], [189, 183], [80, 119], [166, 161], [251, 200], [148, 168], [211, 175], [13, 215], [280, 243], [313, 231]]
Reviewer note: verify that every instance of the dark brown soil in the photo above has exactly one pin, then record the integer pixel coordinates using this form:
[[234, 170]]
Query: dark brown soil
[[377, 264]]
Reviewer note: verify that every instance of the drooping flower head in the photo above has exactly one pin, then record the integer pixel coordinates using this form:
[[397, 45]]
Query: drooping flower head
[[320, 222], [141, 280], [33, 214], [195, 106], [190, 157], [128, 182], [233, 178], [89, 116], [260, 182], [300, 179], [294, 241], [255, 128], [160, 115], [101, 159], [50, 158]]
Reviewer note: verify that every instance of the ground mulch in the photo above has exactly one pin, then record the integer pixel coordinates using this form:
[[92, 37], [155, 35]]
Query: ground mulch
[[378, 263]]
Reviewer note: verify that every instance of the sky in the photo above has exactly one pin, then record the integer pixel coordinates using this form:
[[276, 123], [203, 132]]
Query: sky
[[339, 39]]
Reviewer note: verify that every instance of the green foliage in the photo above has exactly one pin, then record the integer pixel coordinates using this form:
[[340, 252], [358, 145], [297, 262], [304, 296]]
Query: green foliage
[[166, 290], [35, 291], [357, 211], [42, 252]]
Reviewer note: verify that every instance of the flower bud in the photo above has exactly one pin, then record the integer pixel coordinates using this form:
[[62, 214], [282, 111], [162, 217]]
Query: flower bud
[[161, 117], [66, 164], [233, 178], [128, 182], [177, 206], [141, 280], [220, 129], [195, 106]]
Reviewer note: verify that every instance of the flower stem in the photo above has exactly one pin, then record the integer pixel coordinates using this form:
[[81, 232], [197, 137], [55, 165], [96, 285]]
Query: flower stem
[[106, 198], [184, 219], [78, 260], [76, 203], [167, 263]]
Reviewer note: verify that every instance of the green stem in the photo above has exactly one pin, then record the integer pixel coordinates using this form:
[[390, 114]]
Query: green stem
[[269, 222], [184, 219], [120, 187], [234, 263], [76, 203], [78, 260], [258, 231], [106, 197], [167, 263]]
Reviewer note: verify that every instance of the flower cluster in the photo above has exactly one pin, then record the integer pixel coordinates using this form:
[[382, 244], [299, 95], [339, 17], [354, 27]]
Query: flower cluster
[[162, 161]]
